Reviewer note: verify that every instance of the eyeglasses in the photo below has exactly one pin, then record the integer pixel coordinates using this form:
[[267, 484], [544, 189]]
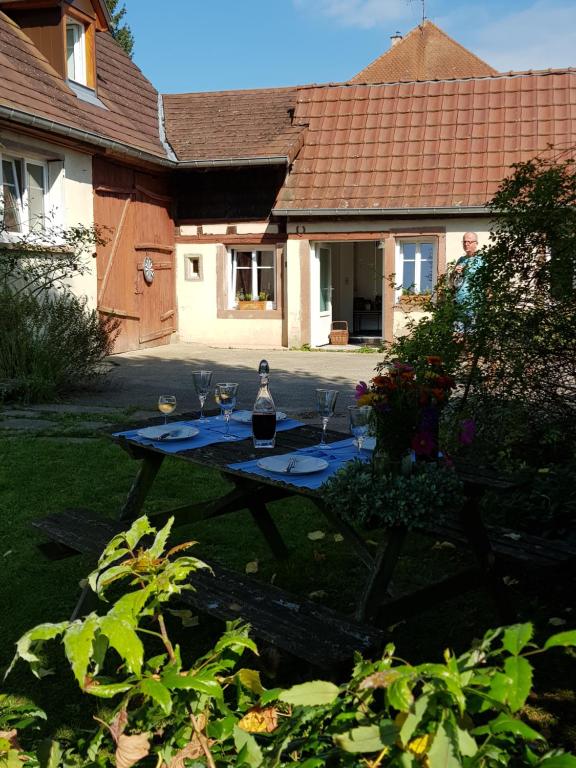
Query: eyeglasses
[[467, 242]]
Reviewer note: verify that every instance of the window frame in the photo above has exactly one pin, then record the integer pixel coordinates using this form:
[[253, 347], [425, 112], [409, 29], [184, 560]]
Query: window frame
[[399, 266], [325, 287], [271, 304], [79, 52], [223, 281], [190, 274], [23, 179]]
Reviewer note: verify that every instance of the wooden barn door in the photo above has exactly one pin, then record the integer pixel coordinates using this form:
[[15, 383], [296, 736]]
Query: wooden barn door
[[134, 211]]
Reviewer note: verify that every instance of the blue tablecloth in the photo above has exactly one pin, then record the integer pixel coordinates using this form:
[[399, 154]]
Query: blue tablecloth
[[336, 454], [211, 430]]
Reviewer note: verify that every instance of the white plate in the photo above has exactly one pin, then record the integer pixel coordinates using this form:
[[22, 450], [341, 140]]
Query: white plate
[[245, 417], [305, 465], [168, 432]]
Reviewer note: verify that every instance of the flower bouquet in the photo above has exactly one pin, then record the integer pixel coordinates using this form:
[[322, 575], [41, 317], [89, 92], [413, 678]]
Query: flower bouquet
[[407, 401]]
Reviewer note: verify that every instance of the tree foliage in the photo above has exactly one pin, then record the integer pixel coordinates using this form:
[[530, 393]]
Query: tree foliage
[[512, 341], [120, 32]]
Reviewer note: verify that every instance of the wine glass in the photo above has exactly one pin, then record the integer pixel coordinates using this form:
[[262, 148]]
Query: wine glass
[[360, 417], [202, 380], [325, 402], [225, 395], [166, 405]]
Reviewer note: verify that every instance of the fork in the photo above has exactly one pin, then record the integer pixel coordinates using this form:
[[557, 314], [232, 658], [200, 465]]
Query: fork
[[291, 464]]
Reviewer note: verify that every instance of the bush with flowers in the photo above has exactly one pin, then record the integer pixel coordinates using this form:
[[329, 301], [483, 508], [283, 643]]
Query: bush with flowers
[[406, 483]]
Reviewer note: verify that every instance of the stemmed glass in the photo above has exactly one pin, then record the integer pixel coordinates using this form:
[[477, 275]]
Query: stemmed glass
[[325, 402], [360, 417], [225, 395], [166, 405], [202, 381]]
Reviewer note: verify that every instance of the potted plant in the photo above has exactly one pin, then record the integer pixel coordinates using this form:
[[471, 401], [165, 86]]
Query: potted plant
[[410, 299], [245, 301]]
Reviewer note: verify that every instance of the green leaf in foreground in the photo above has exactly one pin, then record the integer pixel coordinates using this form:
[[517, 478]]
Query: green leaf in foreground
[[158, 692], [558, 761], [78, 642], [443, 753], [519, 671], [561, 639], [313, 694], [249, 752], [124, 640], [506, 724], [49, 754], [517, 637], [366, 739]]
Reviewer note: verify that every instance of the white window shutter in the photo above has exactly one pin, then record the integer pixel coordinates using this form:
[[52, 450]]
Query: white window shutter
[[55, 194]]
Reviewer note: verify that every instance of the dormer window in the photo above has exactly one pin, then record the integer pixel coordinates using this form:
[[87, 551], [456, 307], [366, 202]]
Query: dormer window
[[76, 52]]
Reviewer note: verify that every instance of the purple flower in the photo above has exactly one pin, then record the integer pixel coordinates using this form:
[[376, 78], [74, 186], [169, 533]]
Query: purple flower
[[361, 389], [467, 432]]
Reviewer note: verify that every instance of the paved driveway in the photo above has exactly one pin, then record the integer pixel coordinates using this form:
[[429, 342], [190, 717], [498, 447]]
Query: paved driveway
[[139, 377]]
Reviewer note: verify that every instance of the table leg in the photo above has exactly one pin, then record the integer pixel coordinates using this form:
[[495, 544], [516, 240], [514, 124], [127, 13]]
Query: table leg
[[141, 486], [267, 527], [350, 534], [471, 520], [381, 573]]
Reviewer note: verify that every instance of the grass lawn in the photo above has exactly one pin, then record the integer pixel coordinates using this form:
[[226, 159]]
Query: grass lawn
[[43, 475]]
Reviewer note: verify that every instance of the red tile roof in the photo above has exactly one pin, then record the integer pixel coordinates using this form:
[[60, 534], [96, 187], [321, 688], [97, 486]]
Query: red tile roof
[[227, 125], [426, 53], [29, 84], [424, 145]]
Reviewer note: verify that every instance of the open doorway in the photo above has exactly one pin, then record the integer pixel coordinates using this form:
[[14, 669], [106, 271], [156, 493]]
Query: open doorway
[[357, 288]]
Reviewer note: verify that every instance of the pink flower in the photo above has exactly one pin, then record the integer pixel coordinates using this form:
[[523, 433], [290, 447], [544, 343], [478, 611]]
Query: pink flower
[[423, 444], [467, 432]]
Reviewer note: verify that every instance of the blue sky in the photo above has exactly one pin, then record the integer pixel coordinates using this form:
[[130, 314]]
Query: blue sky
[[200, 45]]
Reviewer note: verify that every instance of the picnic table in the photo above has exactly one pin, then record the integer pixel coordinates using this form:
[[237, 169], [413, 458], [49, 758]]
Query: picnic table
[[276, 616]]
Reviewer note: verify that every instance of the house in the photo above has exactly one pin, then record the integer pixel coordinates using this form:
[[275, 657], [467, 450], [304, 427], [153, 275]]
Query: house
[[257, 217]]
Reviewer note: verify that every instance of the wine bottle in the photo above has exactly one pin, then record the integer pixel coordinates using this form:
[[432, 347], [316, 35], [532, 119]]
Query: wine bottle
[[264, 412]]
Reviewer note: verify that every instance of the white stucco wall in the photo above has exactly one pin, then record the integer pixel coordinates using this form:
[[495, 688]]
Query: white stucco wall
[[79, 209], [197, 300]]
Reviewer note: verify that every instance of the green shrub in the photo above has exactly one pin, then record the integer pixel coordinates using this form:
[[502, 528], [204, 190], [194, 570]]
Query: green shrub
[[49, 345], [50, 342], [462, 711]]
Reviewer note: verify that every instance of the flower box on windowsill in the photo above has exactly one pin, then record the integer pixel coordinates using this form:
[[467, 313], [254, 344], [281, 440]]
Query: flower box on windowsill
[[414, 300], [252, 305]]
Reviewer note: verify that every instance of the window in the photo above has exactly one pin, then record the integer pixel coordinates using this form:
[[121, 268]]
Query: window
[[253, 277], [325, 280], [415, 267], [192, 267], [24, 190], [75, 52]]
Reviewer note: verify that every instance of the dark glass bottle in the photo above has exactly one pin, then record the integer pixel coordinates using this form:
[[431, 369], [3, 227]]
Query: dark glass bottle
[[264, 412]]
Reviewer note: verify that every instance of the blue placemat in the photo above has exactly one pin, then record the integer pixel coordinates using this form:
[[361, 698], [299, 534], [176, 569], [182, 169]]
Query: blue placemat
[[211, 430], [336, 454]]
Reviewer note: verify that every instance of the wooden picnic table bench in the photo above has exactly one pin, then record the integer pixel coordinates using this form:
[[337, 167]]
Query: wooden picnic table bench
[[285, 619]]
